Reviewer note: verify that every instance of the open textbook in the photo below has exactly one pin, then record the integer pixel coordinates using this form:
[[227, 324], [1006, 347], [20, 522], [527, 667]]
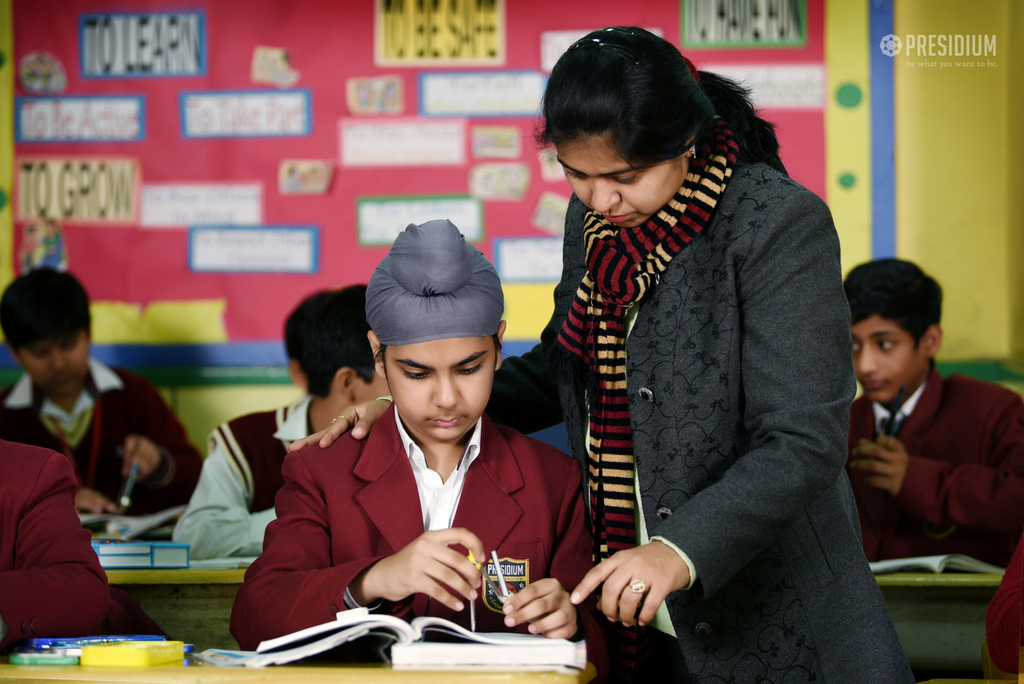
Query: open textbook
[[954, 562], [128, 526], [426, 642]]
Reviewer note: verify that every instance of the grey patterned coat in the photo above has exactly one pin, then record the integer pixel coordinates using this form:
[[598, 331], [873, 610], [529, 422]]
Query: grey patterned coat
[[740, 379]]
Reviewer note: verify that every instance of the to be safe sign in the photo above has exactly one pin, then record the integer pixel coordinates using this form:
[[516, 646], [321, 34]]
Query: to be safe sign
[[77, 189]]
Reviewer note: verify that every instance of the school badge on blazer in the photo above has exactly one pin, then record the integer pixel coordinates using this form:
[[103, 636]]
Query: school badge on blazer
[[517, 578]]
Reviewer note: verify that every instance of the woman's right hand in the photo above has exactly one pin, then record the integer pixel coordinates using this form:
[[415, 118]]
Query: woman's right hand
[[360, 418]]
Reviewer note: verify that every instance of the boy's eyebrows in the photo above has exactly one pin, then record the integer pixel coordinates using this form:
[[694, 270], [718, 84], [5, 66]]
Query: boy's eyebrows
[[416, 364]]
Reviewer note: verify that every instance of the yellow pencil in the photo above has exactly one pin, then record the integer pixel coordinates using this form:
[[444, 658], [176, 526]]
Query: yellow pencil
[[472, 604]]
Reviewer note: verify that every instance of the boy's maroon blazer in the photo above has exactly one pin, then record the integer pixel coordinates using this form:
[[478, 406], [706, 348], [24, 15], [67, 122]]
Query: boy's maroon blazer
[[51, 582], [964, 487], [345, 507]]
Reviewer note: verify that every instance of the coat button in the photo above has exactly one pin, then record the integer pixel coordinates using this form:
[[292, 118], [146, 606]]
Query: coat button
[[663, 512], [333, 608], [646, 394], [702, 630], [29, 626]]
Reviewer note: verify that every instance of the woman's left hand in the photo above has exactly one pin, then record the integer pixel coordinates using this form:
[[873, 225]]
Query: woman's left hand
[[656, 566]]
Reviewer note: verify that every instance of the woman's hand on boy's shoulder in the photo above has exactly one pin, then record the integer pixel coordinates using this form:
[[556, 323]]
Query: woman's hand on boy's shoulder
[[546, 607], [422, 567], [359, 418]]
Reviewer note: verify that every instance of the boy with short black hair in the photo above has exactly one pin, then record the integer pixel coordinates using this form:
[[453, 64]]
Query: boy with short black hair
[[386, 522], [946, 474], [234, 500], [296, 329], [103, 419]]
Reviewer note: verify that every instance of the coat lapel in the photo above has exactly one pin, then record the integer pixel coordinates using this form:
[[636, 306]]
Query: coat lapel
[[486, 507], [920, 420], [390, 498]]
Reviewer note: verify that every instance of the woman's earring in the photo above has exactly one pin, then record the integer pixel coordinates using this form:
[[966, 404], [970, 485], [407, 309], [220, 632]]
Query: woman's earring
[[693, 151]]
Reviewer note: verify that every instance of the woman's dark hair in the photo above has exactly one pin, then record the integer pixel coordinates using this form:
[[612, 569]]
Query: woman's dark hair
[[43, 305], [897, 290], [634, 87]]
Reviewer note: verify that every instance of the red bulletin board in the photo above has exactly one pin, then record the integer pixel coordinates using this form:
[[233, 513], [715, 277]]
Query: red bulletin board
[[327, 43]]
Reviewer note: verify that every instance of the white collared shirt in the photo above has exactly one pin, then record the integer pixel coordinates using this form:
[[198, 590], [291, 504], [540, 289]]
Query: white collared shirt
[[103, 377], [438, 500], [882, 414], [217, 522]]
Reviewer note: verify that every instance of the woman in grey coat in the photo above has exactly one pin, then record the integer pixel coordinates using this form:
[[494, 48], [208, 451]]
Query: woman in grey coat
[[699, 354]]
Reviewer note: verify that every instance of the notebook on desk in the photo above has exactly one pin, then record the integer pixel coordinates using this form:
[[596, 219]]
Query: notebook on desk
[[128, 526], [426, 642], [953, 562]]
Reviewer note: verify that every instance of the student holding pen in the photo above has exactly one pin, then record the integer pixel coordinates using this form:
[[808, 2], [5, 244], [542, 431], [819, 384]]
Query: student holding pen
[[937, 464], [387, 522], [104, 420]]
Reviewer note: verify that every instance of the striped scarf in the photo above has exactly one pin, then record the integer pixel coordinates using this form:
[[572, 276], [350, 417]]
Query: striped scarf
[[622, 265]]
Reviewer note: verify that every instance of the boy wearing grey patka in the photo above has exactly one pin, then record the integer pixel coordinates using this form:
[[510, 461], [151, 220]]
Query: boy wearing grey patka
[[387, 522]]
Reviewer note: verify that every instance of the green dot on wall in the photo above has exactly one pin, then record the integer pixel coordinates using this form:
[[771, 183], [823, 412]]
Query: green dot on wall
[[3, 199], [849, 95], [3, 58], [847, 180]]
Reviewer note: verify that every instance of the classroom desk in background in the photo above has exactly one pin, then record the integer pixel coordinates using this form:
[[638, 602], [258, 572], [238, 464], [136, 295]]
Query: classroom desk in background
[[366, 674], [940, 618], [192, 605]]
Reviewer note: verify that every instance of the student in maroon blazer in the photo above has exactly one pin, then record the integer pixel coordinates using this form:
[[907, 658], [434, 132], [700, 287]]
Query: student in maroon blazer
[[950, 479], [102, 419], [386, 522], [51, 582]]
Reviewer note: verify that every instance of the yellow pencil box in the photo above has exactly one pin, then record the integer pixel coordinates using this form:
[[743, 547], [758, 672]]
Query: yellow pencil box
[[133, 653]]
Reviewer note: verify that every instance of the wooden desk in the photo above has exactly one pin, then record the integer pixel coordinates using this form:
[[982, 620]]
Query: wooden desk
[[191, 605], [940, 618], [174, 674]]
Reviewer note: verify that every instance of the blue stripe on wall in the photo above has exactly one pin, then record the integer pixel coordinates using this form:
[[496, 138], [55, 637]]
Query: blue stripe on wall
[[199, 355], [883, 149]]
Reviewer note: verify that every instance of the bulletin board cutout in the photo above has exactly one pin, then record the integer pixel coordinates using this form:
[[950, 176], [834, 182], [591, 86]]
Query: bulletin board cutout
[[142, 45], [80, 118], [752, 24], [426, 34]]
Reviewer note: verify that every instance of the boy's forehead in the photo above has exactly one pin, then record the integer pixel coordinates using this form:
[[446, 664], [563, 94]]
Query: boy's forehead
[[58, 339], [442, 350], [877, 325]]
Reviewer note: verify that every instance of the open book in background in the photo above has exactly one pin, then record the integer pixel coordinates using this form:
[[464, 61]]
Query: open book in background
[[426, 642], [951, 562], [113, 526]]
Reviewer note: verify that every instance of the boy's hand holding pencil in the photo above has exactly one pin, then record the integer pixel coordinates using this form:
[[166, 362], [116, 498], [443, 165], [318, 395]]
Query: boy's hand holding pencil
[[140, 449], [422, 567]]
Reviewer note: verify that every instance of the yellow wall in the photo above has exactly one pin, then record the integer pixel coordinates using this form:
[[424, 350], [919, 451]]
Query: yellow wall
[[6, 141], [953, 195], [848, 129], [201, 409], [1015, 179]]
